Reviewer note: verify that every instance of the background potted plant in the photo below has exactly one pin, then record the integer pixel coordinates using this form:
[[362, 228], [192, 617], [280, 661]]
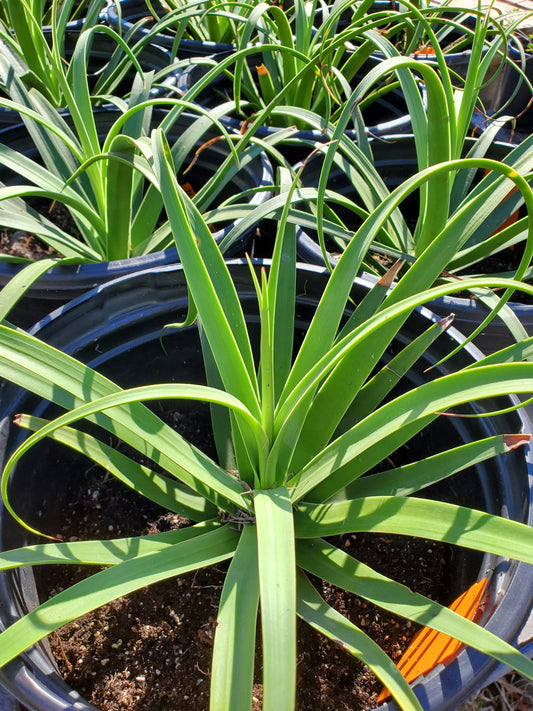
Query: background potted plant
[[434, 141], [90, 167]]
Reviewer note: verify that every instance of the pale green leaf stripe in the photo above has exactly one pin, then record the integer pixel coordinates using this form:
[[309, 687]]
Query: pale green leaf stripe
[[405, 480], [161, 489], [337, 567], [277, 585], [234, 648], [110, 552], [107, 585], [312, 608], [53, 375], [330, 469], [418, 517], [218, 479]]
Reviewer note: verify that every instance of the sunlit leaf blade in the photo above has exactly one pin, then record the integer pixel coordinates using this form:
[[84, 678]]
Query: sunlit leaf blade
[[121, 579], [312, 608], [101, 552], [424, 518], [20, 283], [161, 489], [409, 478], [211, 478], [211, 286], [330, 563], [277, 584], [234, 647], [59, 378], [430, 648], [331, 468]]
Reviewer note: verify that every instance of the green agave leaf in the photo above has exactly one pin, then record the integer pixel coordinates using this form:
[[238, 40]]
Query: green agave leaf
[[211, 477], [282, 291], [105, 586], [330, 470], [289, 414], [407, 479], [277, 585], [234, 647], [52, 375], [316, 434], [20, 284], [312, 608], [161, 489], [210, 284], [108, 552], [434, 519], [335, 566]]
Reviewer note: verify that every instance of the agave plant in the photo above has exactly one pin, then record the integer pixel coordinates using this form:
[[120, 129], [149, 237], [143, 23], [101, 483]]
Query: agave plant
[[90, 160], [36, 40], [297, 440], [440, 134]]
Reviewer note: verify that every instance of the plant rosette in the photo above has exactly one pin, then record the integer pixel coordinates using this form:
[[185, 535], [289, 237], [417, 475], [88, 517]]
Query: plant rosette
[[118, 335], [298, 422], [212, 176]]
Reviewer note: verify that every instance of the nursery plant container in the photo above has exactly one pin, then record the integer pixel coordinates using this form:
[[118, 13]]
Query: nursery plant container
[[395, 160], [122, 17], [63, 283], [116, 329]]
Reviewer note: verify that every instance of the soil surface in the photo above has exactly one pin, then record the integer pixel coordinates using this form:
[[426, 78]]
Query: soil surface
[[151, 650], [25, 245]]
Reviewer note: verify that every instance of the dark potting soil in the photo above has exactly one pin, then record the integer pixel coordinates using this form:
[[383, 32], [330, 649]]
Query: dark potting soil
[[20, 243], [151, 650]]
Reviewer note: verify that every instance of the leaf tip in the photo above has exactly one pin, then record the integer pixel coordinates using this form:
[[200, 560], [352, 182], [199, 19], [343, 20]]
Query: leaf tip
[[512, 441], [446, 322], [387, 279]]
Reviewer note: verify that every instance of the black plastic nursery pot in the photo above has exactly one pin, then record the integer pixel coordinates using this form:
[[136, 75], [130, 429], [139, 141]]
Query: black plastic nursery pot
[[116, 329], [63, 283], [124, 15], [395, 160]]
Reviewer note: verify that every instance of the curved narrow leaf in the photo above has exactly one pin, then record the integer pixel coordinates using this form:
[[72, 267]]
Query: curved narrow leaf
[[121, 579], [424, 518], [312, 608], [337, 567], [234, 648]]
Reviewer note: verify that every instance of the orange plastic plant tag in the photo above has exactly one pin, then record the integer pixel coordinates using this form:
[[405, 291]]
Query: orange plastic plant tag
[[425, 50], [430, 647]]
